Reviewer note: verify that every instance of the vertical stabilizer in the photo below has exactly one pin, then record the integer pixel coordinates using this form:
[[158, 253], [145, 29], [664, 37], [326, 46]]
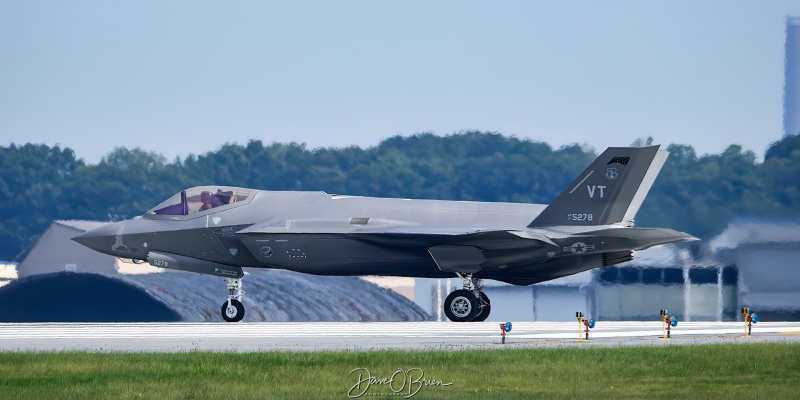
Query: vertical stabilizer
[[610, 191]]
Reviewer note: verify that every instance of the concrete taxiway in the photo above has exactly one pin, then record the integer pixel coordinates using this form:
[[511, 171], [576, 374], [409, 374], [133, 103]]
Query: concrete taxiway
[[364, 336]]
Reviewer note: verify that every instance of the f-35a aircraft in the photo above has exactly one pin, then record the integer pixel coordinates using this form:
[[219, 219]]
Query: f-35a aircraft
[[218, 230]]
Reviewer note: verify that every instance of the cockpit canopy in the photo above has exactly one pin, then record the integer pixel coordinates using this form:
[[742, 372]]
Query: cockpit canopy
[[200, 199]]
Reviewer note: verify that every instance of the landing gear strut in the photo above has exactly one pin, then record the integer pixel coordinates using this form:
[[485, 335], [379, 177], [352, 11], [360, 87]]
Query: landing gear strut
[[469, 303], [233, 309]]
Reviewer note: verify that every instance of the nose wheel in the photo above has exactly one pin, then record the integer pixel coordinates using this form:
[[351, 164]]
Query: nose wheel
[[233, 309]]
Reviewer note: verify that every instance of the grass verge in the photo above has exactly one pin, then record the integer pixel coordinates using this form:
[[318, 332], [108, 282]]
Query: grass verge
[[765, 370]]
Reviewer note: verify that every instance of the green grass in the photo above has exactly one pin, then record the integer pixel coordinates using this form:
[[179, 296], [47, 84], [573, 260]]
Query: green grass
[[752, 371]]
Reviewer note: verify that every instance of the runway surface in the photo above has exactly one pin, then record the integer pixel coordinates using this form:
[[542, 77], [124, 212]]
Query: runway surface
[[364, 336]]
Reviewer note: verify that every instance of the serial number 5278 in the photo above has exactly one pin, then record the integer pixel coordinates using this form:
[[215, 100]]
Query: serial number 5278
[[580, 217], [160, 263]]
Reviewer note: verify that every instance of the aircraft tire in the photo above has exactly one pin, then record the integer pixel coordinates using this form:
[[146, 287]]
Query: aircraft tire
[[461, 306], [485, 310], [233, 314]]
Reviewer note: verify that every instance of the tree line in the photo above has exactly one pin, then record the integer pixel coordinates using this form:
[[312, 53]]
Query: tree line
[[698, 194]]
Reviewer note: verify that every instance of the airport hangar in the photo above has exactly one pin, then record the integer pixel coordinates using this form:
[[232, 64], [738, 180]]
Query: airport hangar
[[751, 264]]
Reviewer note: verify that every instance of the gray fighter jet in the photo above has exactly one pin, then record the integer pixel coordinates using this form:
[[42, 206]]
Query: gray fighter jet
[[218, 230]]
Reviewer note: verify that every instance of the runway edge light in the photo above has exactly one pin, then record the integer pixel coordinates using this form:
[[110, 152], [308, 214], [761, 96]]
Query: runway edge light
[[583, 326], [668, 322], [750, 318], [503, 329]]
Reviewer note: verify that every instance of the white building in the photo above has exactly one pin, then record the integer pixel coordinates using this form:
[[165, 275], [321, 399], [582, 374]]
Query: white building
[[767, 258], [663, 277], [555, 300]]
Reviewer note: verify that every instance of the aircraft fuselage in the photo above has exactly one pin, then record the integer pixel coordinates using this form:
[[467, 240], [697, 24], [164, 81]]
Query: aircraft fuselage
[[218, 230]]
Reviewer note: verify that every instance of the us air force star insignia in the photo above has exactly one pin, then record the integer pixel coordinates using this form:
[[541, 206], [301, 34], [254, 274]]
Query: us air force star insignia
[[579, 247], [216, 220], [611, 174], [266, 251]]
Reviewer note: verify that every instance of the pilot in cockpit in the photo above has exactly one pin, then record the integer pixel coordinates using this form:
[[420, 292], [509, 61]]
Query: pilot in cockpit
[[209, 201]]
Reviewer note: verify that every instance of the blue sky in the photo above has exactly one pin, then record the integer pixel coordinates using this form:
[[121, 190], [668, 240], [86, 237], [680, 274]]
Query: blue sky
[[185, 77]]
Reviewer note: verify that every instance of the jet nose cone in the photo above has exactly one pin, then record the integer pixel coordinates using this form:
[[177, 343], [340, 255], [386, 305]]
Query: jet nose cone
[[100, 239]]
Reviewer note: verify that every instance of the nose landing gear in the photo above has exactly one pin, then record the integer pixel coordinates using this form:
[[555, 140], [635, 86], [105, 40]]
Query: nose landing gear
[[467, 304], [233, 309]]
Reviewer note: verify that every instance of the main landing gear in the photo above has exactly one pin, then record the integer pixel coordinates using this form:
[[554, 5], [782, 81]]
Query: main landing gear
[[232, 309], [468, 304]]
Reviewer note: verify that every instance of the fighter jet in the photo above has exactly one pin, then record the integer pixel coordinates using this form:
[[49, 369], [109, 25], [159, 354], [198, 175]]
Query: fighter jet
[[218, 230]]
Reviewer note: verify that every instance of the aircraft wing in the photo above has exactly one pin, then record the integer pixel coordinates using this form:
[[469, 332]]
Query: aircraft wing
[[454, 249], [371, 227]]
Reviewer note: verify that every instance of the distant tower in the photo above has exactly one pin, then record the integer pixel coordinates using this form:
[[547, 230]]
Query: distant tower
[[791, 86]]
